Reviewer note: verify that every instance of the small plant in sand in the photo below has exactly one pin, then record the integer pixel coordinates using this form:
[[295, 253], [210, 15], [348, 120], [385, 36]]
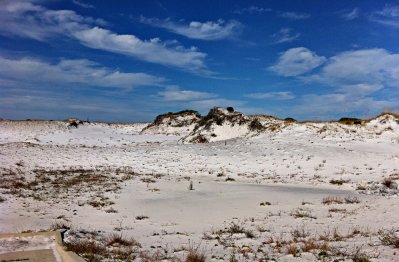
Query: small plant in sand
[[293, 250], [111, 210], [118, 240], [332, 200], [389, 237], [142, 217], [237, 229], [300, 232], [338, 181], [387, 182], [337, 200], [195, 254], [265, 203], [59, 225], [148, 180], [302, 213]]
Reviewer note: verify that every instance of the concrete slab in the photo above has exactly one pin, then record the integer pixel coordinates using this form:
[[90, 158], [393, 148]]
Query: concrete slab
[[45, 255], [35, 246]]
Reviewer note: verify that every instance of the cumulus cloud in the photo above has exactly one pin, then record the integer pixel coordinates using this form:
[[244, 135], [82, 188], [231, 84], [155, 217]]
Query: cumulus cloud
[[176, 94], [24, 19], [285, 35], [35, 72], [350, 15], [297, 61], [285, 95], [209, 30], [355, 77], [389, 16], [365, 70], [294, 15]]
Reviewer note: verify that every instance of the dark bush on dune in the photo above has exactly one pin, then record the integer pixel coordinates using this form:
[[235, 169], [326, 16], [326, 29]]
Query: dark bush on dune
[[213, 116], [159, 118], [350, 121], [289, 119], [230, 109], [255, 125]]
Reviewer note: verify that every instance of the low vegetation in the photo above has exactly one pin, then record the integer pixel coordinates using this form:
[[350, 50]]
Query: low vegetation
[[389, 237], [195, 254]]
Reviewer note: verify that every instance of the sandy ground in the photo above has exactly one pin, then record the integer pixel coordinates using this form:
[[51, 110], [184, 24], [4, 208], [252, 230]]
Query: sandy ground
[[253, 199]]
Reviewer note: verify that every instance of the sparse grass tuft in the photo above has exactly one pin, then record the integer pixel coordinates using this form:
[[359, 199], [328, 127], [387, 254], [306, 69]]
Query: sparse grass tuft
[[300, 232], [332, 200], [141, 217], [59, 225], [337, 210], [195, 254], [337, 200], [387, 182], [389, 238], [338, 181], [302, 213], [293, 250], [88, 249], [118, 240], [111, 210], [147, 180], [237, 229]]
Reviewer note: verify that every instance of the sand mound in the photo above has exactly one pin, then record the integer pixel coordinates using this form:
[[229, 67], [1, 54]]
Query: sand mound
[[222, 124], [179, 123], [225, 123], [385, 121]]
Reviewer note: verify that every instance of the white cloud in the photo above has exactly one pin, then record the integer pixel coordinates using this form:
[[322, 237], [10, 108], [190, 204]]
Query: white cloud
[[252, 10], [389, 11], [297, 61], [389, 16], [285, 35], [81, 4], [176, 94], [285, 95], [350, 15], [35, 72], [294, 15], [209, 30], [152, 50], [355, 76], [23, 19], [365, 71]]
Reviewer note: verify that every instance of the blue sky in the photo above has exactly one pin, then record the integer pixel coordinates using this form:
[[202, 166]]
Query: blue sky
[[132, 60]]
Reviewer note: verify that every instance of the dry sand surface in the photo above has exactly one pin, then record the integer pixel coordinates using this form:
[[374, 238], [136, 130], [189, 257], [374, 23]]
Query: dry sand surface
[[301, 192]]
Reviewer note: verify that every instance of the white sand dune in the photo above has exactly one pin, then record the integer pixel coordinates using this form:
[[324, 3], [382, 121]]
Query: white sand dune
[[291, 166]]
